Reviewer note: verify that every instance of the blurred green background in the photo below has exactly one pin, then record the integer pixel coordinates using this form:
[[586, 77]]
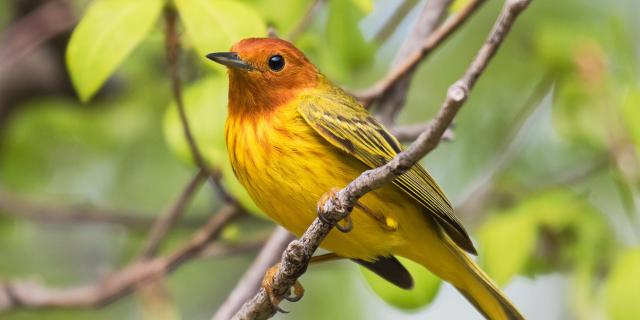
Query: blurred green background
[[544, 168]]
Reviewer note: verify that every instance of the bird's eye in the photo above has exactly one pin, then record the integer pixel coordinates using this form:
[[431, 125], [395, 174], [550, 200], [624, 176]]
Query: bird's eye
[[276, 62]]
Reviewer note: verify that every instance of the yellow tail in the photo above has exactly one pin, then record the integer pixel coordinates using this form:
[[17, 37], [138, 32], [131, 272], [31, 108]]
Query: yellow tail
[[447, 261], [482, 292]]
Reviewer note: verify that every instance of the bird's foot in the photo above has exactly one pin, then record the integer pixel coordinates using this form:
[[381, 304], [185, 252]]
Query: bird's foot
[[326, 197], [267, 284]]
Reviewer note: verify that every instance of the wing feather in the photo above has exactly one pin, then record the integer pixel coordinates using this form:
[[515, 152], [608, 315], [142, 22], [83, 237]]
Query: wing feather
[[344, 123]]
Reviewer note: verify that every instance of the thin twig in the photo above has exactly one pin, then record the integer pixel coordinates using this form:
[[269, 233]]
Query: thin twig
[[390, 26], [306, 20], [250, 281], [223, 249], [390, 103], [13, 206], [568, 177], [473, 200], [435, 39], [163, 224], [172, 47], [28, 294], [23, 36], [296, 257]]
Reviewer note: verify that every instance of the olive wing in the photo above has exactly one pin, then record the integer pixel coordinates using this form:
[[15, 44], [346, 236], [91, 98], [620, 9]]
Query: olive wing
[[348, 126]]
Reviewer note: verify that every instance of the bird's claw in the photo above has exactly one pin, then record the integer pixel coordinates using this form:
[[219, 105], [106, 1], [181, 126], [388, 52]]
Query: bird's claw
[[267, 284], [326, 197], [296, 294]]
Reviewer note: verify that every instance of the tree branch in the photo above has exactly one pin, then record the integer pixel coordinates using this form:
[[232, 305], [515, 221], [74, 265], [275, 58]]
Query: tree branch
[[172, 47], [438, 36], [298, 254], [306, 20], [13, 206], [390, 26], [163, 224], [477, 194], [28, 33], [394, 99], [223, 249], [249, 284], [32, 295]]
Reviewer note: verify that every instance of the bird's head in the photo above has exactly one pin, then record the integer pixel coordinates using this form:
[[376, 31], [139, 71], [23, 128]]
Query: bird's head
[[265, 73]]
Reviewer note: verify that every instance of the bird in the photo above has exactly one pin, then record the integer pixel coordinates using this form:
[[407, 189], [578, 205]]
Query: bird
[[293, 137]]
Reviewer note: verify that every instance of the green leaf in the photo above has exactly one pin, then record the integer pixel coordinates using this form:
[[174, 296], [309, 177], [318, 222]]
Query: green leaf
[[364, 5], [283, 17], [631, 112], [216, 25], [426, 286], [347, 47], [104, 37], [506, 241], [206, 107], [623, 287]]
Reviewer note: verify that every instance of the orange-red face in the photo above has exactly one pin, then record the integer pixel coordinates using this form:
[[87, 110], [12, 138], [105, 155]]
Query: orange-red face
[[265, 73]]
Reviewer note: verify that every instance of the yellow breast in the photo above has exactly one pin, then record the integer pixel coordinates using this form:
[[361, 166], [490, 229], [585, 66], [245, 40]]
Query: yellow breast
[[286, 167]]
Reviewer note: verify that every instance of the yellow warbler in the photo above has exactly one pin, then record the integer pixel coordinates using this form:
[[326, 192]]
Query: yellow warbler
[[292, 135]]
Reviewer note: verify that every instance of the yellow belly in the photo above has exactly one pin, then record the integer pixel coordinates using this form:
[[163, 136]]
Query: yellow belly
[[286, 167]]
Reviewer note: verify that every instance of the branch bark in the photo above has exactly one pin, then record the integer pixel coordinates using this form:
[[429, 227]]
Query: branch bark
[[390, 26], [394, 98], [163, 224], [437, 37], [249, 284], [32, 295], [13, 206], [306, 20], [172, 48], [296, 257], [23, 36]]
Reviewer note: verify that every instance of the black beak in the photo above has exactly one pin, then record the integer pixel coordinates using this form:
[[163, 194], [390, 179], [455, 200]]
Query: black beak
[[231, 60]]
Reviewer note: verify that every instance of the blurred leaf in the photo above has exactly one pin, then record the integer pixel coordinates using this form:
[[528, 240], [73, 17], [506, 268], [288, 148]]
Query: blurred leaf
[[348, 48], [457, 5], [216, 25], [555, 44], [231, 232], [426, 286], [284, 15], [631, 115], [508, 240], [623, 287], [104, 37], [206, 107], [507, 243], [364, 5]]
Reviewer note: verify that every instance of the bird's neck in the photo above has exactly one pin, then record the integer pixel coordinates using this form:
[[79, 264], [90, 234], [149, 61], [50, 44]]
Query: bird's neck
[[251, 98]]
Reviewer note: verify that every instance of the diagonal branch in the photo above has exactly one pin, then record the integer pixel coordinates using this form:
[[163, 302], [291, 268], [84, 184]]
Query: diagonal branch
[[394, 99], [296, 257], [307, 20], [163, 224], [35, 296], [438, 36], [31, 31], [249, 284], [398, 16], [479, 191]]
